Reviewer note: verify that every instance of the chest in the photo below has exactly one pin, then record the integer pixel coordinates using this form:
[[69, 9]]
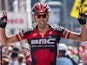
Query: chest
[[50, 37]]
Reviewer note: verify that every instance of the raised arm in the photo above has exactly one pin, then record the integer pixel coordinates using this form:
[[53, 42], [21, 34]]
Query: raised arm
[[82, 36], [3, 38]]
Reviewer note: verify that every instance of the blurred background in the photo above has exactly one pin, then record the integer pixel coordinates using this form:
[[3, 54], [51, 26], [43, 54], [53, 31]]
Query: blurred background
[[20, 18]]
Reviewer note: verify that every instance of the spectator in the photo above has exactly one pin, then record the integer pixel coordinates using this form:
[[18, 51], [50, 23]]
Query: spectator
[[63, 58], [21, 59], [14, 56], [5, 61], [26, 52], [83, 53]]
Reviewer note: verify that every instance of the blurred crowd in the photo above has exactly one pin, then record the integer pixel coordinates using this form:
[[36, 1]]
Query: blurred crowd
[[72, 55], [10, 55]]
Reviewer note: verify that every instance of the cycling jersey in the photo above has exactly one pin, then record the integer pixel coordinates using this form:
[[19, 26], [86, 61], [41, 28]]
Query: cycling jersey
[[43, 48]]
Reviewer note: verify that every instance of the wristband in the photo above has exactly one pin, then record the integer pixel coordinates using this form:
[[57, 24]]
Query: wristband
[[2, 24]]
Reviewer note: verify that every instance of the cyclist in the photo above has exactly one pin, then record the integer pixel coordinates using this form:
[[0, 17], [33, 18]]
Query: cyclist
[[43, 38]]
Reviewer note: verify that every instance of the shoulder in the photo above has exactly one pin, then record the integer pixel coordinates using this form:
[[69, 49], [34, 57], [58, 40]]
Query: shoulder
[[64, 61], [27, 31], [58, 29]]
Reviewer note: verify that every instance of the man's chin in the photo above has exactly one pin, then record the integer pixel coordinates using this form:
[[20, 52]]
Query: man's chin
[[42, 26]]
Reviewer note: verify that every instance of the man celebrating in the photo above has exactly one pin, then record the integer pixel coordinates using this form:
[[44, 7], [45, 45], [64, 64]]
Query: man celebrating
[[43, 38]]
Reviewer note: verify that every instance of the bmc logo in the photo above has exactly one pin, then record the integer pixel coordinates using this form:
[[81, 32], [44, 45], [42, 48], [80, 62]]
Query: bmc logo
[[43, 41]]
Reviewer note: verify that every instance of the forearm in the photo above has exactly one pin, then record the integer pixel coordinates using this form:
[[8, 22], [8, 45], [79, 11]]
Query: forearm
[[3, 37], [83, 32], [82, 36]]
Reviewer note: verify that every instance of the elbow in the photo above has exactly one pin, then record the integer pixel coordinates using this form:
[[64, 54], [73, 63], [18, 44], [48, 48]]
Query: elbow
[[5, 42], [83, 39]]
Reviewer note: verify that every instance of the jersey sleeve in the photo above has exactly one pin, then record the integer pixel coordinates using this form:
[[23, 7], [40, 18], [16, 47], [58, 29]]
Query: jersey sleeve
[[63, 32], [66, 34], [24, 34]]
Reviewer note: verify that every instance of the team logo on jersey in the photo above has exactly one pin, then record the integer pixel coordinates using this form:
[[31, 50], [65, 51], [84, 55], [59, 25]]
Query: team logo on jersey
[[50, 32], [43, 41], [35, 34]]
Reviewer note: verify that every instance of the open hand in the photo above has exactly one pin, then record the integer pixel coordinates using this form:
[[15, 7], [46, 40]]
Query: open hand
[[4, 16], [82, 14], [3, 20], [82, 17]]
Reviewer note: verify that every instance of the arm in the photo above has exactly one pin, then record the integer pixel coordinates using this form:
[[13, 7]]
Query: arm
[[79, 36], [3, 38], [83, 35]]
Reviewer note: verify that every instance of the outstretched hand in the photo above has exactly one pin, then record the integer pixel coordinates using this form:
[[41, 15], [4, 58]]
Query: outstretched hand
[[3, 20], [4, 16], [82, 17]]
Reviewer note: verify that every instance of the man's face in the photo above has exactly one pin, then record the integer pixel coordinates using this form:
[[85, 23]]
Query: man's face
[[41, 19]]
